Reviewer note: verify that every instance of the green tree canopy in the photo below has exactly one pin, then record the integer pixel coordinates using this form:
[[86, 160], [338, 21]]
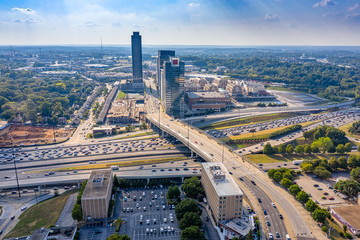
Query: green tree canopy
[[289, 149], [348, 187], [299, 149], [294, 189], [186, 205], [302, 196], [311, 206], [268, 150], [286, 183], [355, 174], [192, 233], [190, 219], [192, 187], [320, 215], [322, 173]]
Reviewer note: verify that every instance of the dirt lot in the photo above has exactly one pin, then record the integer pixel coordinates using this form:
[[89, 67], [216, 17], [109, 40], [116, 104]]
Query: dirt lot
[[307, 183], [31, 135]]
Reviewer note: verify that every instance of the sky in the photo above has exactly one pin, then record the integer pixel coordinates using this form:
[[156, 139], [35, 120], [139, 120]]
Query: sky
[[181, 22]]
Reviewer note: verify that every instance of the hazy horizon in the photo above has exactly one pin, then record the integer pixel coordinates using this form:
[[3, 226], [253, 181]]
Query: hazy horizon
[[181, 22]]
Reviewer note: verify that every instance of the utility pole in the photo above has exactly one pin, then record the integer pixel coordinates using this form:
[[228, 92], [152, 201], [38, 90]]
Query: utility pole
[[222, 158], [17, 179]]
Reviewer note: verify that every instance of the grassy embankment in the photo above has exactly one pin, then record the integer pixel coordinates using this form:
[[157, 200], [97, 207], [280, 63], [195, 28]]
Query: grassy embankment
[[43, 214], [248, 120], [120, 164], [139, 135], [260, 134], [120, 95], [346, 127]]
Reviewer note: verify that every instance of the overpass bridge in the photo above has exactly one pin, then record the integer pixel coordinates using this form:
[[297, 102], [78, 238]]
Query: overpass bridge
[[211, 149]]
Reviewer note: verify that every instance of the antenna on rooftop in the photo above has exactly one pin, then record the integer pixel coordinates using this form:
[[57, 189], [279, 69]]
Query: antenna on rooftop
[[101, 46]]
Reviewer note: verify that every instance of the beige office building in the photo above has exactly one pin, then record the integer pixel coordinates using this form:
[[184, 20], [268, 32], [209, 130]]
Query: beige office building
[[97, 194], [223, 195]]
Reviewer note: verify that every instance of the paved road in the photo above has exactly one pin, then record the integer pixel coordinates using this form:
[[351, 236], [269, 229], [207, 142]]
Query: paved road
[[65, 219], [273, 214], [212, 150]]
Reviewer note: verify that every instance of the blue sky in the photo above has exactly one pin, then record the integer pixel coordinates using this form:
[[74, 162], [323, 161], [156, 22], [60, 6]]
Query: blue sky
[[181, 22]]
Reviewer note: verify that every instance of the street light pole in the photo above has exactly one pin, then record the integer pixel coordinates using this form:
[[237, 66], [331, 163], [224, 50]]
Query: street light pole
[[16, 175], [222, 158]]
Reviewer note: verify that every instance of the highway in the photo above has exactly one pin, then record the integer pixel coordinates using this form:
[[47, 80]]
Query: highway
[[212, 150]]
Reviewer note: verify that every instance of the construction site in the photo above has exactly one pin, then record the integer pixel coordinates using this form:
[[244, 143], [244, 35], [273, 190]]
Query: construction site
[[26, 135]]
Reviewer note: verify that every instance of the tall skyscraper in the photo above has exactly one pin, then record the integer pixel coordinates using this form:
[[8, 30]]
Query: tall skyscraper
[[163, 55], [136, 57], [172, 86]]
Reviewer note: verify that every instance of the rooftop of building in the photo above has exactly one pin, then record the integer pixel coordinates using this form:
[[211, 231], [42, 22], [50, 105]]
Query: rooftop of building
[[221, 179], [205, 95], [240, 225], [98, 184], [350, 214]]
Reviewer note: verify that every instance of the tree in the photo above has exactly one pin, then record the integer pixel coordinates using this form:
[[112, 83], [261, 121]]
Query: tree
[[288, 175], [344, 228], [118, 237], [311, 206], [116, 181], [192, 233], [294, 189], [173, 192], [348, 147], [249, 236], [353, 161], [320, 215], [286, 183], [355, 174], [325, 229], [322, 173], [325, 144], [282, 148], [275, 149], [340, 149], [299, 149], [314, 149], [306, 166], [333, 163], [190, 219], [307, 148], [289, 149], [271, 173], [186, 205], [268, 150], [358, 149], [77, 212], [302, 196], [348, 187], [278, 176], [342, 163], [192, 187]]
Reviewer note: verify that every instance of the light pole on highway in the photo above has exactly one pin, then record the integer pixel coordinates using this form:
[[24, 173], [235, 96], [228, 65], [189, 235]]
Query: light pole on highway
[[13, 158], [222, 158], [159, 120]]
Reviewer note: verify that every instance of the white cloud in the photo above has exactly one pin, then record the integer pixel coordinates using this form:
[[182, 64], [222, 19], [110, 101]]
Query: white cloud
[[116, 24], [325, 3], [89, 24], [194, 5], [26, 21], [271, 17], [23, 10], [356, 6]]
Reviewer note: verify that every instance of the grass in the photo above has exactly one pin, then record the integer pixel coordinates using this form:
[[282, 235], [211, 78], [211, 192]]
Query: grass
[[120, 164], [137, 135], [346, 127], [334, 233], [262, 158], [261, 134], [249, 120], [43, 214], [120, 95]]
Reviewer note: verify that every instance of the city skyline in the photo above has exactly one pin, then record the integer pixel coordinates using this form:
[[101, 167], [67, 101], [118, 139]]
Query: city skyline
[[194, 22]]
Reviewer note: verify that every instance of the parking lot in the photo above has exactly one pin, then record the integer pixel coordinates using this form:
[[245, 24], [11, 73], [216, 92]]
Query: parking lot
[[147, 215], [321, 191]]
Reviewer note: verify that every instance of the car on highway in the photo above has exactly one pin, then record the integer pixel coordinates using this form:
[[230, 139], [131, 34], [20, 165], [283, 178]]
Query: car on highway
[[259, 200], [281, 216]]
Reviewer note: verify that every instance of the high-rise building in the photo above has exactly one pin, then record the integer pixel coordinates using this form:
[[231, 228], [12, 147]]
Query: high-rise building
[[224, 196], [97, 194], [136, 53], [172, 86], [163, 55]]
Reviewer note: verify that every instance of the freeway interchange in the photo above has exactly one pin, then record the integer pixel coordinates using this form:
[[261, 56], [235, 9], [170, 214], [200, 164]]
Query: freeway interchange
[[212, 150]]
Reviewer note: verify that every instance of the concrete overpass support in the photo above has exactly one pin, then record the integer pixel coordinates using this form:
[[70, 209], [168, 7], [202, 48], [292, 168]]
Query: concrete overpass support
[[148, 181], [182, 179]]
